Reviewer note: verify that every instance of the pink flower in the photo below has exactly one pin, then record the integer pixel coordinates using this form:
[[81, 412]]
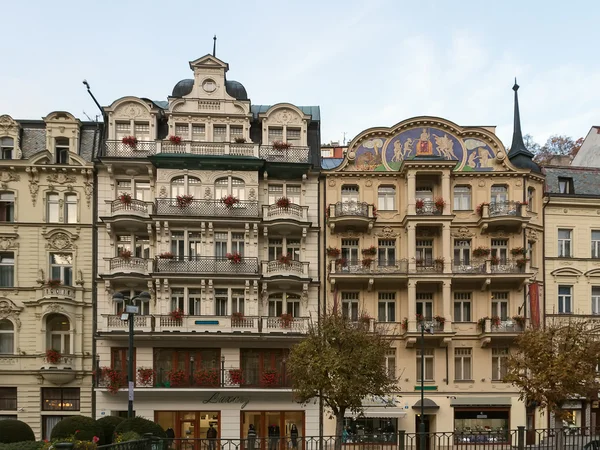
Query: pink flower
[[76, 431], [95, 439]]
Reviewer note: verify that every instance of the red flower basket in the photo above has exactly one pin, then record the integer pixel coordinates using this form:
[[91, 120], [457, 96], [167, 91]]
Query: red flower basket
[[184, 200], [114, 379], [177, 378], [54, 282], [236, 376], [283, 202], [333, 252], [53, 356], [207, 377], [229, 201], [280, 145], [130, 141], [146, 376], [166, 255], [286, 320], [439, 203], [175, 139], [285, 260], [125, 198], [366, 263], [177, 314], [419, 204], [125, 254], [234, 258], [269, 378]]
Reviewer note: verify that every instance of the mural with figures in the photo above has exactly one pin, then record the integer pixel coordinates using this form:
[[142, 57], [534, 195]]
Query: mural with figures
[[383, 154]]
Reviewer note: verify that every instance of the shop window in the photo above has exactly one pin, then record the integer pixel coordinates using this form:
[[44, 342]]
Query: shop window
[[284, 420], [8, 398], [189, 425], [371, 430], [482, 425], [60, 399]]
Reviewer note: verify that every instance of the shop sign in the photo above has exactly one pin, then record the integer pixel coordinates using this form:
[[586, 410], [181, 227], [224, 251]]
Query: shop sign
[[217, 397]]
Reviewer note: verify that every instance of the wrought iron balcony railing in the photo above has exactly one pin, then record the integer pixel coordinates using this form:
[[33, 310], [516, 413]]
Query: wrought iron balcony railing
[[428, 208], [508, 265], [429, 265], [133, 206], [206, 208], [289, 155], [352, 209], [367, 265], [468, 266], [207, 264], [117, 149], [293, 211], [505, 208]]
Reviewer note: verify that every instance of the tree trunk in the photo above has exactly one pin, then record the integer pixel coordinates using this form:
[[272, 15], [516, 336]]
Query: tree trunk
[[339, 429]]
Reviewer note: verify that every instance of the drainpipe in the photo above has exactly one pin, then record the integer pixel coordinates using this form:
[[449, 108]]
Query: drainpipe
[[321, 298], [94, 272]]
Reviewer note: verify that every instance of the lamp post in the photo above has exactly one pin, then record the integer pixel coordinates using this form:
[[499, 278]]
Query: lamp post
[[130, 311], [422, 421]]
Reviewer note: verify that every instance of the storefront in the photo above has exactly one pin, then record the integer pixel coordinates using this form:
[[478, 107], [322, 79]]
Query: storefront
[[378, 422], [482, 419]]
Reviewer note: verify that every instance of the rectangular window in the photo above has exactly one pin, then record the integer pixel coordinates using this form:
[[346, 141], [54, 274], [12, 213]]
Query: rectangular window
[[237, 243], [530, 199], [595, 299], [219, 133], [275, 305], [424, 253], [292, 192], [7, 269], [236, 131], [462, 306], [142, 131], [221, 244], [350, 251], [237, 301], [293, 248], [349, 194], [386, 198], [428, 362], [61, 268], [462, 252], [500, 250], [386, 252], [275, 192], [53, 212], [565, 185], [123, 128], [7, 207], [7, 146], [499, 363], [221, 300], [499, 194], [462, 198], [8, 398], [293, 136], [350, 305], [564, 243], [70, 208], [462, 364], [142, 191], [194, 244], [565, 299], [275, 249], [500, 305], [275, 134], [60, 399], [198, 132], [390, 362], [62, 151], [292, 305], [182, 130], [194, 302], [386, 308], [595, 244], [425, 305], [177, 299], [424, 193]]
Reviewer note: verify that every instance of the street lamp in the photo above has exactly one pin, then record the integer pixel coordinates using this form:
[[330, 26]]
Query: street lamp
[[422, 422], [130, 311]]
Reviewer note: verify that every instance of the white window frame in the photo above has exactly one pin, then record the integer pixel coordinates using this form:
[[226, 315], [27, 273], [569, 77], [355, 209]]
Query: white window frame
[[61, 148], [9, 336], [463, 303], [386, 252], [390, 363], [63, 269], [186, 185], [462, 198], [386, 198], [462, 249], [499, 362], [7, 198], [7, 145], [565, 244], [234, 186], [424, 303], [565, 300], [595, 244], [65, 335], [351, 305], [429, 364], [71, 208], [53, 207], [463, 364], [595, 295], [386, 307]]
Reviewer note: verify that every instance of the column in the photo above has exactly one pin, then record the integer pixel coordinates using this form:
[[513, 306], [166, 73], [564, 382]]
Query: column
[[411, 188], [411, 247], [412, 306], [446, 192], [447, 305], [447, 248]]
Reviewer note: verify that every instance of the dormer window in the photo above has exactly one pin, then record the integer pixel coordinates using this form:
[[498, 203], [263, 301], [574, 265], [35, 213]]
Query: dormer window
[[7, 146], [61, 151], [565, 185]]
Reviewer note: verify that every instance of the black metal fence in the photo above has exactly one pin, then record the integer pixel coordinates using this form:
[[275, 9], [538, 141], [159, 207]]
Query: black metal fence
[[505, 208], [207, 264], [207, 208]]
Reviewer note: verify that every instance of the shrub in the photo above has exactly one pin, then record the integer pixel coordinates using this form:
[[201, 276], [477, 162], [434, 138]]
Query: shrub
[[141, 426], [128, 436], [81, 427], [24, 445], [12, 430], [108, 424]]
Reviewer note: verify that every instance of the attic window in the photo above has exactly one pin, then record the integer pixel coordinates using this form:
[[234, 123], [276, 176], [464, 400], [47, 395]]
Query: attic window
[[7, 146], [62, 151], [565, 185]]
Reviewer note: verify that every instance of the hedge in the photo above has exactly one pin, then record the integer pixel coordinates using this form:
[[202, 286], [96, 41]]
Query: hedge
[[12, 430], [108, 424], [82, 427], [141, 426]]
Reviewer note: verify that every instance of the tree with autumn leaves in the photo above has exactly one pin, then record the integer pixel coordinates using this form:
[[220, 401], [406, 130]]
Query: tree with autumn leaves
[[555, 364], [556, 145], [340, 362]]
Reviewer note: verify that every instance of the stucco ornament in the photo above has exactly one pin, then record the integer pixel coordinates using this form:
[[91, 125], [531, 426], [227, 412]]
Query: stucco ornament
[[463, 233], [8, 310], [61, 178], [7, 242], [60, 241], [286, 116], [8, 176]]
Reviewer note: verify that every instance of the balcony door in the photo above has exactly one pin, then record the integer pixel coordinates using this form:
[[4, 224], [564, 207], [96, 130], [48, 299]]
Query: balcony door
[[264, 368]]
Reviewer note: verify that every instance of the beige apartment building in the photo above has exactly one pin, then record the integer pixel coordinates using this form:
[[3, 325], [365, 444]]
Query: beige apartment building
[[435, 224], [46, 198], [208, 203], [572, 258]]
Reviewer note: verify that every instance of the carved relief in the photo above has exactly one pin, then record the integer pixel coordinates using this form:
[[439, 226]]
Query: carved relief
[[54, 308], [7, 176], [532, 235], [387, 232], [252, 194], [60, 241], [163, 192], [369, 183], [131, 110], [286, 116], [34, 186], [8, 310], [331, 182], [8, 242], [462, 233], [61, 178]]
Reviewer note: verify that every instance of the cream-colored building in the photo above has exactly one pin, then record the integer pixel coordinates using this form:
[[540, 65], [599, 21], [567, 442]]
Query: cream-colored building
[[208, 203], [431, 221], [46, 198], [572, 257]]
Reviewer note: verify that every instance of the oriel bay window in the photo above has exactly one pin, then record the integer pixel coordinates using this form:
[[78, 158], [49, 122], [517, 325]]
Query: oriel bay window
[[61, 268], [191, 367], [58, 333], [264, 367], [138, 245]]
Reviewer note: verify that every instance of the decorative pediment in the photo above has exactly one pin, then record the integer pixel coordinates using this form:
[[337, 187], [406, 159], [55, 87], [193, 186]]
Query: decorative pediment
[[8, 310], [60, 240], [593, 273], [208, 61], [566, 272], [61, 116]]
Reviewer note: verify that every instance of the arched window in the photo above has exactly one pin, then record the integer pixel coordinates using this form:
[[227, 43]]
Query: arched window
[[58, 331], [177, 186], [7, 146], [7, 337], [186, 185], [230, 186]]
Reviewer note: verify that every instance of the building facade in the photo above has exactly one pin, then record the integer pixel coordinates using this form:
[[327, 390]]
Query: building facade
[[434, 224], [210, 204], [572, 258], [46, 197]]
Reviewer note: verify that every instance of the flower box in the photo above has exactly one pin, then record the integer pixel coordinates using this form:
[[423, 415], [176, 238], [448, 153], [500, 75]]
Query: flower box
[[280, 145], [53, 356], [130, 141], [496, 321], [341, 262], [237, 317], [285, 260], [439, 203], [269, 378], [419, 317], [495, 260], [175, 139], [439, 261], [286, 320], [283, 202], [481, 323], [114, 379], [518, 251], [366, 262], [166, 255], [520, 321], [239, 140], [522, 262], [125, 254], [333, 252], [420, 204], [177, 378], [146, 376], [481, 252], [125, 198], [54, 283], [176, 314], [236, 376], [441, 320], [479, 209], [234, 258], [405, 324], [184, 200], [207, 377], [372, 250], [230, 201]]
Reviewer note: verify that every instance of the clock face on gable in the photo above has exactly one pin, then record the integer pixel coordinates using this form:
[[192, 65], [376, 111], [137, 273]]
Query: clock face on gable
[[209, 85]]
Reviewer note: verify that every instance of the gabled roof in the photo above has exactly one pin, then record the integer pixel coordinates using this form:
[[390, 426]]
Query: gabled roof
[[313, 111]]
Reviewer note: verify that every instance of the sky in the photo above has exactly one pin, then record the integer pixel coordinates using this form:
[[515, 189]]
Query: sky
[[365, 63]]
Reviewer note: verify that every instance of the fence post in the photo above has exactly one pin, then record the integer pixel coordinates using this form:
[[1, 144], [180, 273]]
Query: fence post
[[521, 438], [401, 434]]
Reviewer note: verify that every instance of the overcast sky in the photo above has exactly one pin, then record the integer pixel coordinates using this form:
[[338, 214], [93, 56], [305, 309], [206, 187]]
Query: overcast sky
[[365, 63]]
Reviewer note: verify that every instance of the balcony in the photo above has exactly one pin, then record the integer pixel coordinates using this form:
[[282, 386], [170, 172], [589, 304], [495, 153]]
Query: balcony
[[117, 149], [291, 268], [208, 149], [509, 266], [298, 155], [428, 208], [133, 208], [368, 266], [207, 264], [474, 266], [134, 266], [435, 332], [285, 219], [59, 292], [60, 372], [506, 214], [499, 331], [113, 322], [206, 208], [429, 266], [359, 216]]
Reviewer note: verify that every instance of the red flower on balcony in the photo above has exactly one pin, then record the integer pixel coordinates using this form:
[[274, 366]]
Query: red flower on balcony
[[283, 202], [236, 376], [496, 321], [114, 379], [333, 252], [364, 319], [53, 356], [419, 204], [405, 323], [479, 209], [125, 254], [234, 258], [495, 260], [366, 262], [175, 139], [522, 262], [145, 376], [285, 259], [372, 250], [229, 201], [184, 200], [341, 262], [269, 378], [286, 320], [207, 377], [237, 317], [177, 314], [54, 282], [166, 255], [420, 318], [130, 141], [281, 145], [177, 377], [439, 203], [125, 198]]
